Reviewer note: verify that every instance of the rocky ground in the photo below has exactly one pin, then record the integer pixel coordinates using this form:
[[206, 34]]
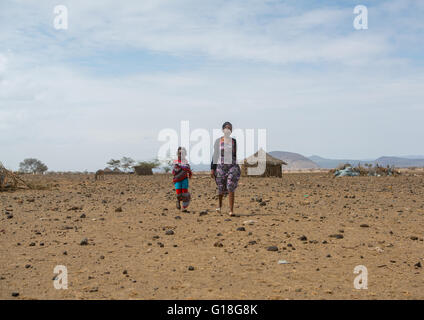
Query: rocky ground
[[296, 237]]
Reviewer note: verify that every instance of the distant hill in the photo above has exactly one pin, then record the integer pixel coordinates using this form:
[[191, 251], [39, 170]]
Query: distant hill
[[398, 162], [295, 161], [334, 163], [413, 157]]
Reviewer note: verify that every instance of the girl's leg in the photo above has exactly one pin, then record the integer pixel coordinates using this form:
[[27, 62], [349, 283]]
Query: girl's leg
[[186, 198], [178, 199], [185, 194], [231, 201], [178, 192]]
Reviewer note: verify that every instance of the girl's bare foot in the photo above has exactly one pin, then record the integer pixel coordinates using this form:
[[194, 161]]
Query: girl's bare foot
[[231, 213]]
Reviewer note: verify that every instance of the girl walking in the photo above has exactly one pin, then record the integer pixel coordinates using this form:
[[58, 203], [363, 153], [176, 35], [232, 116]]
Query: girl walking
[[182, 172]]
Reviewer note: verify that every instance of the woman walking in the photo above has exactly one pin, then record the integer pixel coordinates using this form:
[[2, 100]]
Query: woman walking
[[224, 167]]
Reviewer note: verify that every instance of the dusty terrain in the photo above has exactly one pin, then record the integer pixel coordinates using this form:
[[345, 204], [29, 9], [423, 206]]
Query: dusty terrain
[[129, 255]]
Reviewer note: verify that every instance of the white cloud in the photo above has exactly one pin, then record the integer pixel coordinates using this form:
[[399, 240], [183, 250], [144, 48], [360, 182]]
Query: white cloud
[[304, 74]]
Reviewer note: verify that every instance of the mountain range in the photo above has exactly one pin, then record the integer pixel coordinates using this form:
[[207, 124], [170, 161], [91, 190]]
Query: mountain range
[[296, 161], [399, 162]]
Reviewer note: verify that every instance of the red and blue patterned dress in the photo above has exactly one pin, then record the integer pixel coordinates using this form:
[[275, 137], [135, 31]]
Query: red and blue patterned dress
[[182, 173]]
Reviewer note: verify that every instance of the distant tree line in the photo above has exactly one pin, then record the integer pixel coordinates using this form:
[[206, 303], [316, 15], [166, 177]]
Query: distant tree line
[[127, 164]]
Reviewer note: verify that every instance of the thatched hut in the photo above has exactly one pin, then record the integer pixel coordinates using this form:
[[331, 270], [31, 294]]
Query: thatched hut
[[143, 170], [273, 166]]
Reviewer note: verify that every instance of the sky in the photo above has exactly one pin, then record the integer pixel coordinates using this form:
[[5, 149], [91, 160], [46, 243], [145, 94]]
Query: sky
[[125, 70]]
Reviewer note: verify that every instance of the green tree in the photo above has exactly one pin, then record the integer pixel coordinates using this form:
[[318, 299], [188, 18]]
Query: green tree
[[167, 165], [32, 165], [114, 163], [149, 164], [127, 163]]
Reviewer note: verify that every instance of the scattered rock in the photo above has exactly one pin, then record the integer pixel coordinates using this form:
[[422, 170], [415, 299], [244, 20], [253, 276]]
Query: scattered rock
[[83, 216], [169, 232], [191, 268], [119, 209], [84, 242], [418, 265], [364, 225], [337, 236], [414, 238], [272, 248], [303, 238], [241, 229], [218, 244], [15, 294]]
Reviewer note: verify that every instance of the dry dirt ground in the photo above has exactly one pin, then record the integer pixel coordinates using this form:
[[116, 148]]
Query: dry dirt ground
[[129, 255]]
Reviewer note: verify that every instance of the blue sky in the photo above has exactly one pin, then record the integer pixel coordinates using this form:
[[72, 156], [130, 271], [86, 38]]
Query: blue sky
[[105, 87]]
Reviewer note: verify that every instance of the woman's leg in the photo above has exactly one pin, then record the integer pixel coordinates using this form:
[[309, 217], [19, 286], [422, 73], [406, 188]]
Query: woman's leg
[[231, 201], [220, 201], [220, 183], [232, 182]]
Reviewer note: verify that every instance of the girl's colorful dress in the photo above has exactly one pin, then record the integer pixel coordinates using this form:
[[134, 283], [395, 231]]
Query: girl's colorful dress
[[182, 173]]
